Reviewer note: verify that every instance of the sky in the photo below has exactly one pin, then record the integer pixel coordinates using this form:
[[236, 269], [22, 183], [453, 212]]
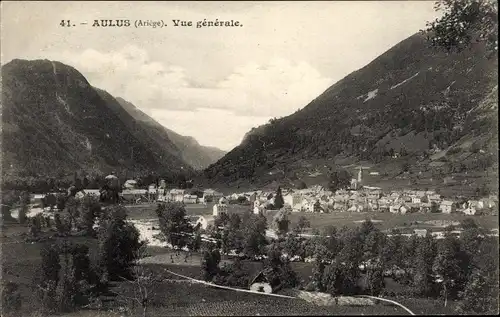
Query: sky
[[212, 83]]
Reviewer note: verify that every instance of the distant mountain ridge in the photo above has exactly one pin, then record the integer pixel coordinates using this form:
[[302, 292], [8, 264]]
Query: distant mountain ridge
[[55, 123], [438, 112], [196, 155]]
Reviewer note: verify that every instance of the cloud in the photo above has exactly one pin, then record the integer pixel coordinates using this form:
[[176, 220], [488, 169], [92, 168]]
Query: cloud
[[276, 88], [213, 127]]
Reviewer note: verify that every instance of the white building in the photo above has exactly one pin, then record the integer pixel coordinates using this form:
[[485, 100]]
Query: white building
[[217, 209], [446, 207], [130, 184], [176, 195], [205, 221], [190, 199], [293, 200]]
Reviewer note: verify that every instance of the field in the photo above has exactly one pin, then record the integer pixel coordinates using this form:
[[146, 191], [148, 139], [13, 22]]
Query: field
[[147, 211], [386, 221]]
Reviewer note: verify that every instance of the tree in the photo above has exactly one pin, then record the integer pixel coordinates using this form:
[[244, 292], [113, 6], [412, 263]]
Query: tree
[[465, 22], [449, 266], [278, 199], [144, 283], [118, 242], [210, 264], [434, 207], [23, 208], [375, 279], [9, 199], [50, 264], [339, 180], [303, 223], [340, 279], [280, 271], [232, 275], [174, 224], [11, 297], [60, 201], [35, 226], [281, 222], [254, 235], [63, 225], [88, 209], [479, 296], [352, 251], [423, 281], [49, 200]]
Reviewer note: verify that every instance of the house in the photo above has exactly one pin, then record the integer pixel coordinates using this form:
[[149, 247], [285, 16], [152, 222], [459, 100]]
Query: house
[[293, 200], [406, 199], [134, 195], [433, 198], [354, 184], [307, 205], [420, 232], [176, 195], [259, 210], [413, 207], [262, 282], [383, 203], [217, 209], [394, 208], [447, 206], [130, 184], [356, 208], [190, 199], [211, 195], [152, 190], [477, 204], [339, 206], [223, 200], [234, 196], [404, 209], [205, 221], [471, 211], [416, 200], [425, 207], [36, 199]]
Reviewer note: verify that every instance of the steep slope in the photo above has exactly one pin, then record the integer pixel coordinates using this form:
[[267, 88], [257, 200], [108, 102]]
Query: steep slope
[[54, 123], [196, 155], [405, 108]]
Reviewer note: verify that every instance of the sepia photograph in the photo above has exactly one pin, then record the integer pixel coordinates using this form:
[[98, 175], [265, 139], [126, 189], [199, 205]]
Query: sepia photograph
[[249, 158]]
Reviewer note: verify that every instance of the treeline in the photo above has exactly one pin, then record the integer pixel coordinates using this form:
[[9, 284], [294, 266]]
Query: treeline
[[82, 180]]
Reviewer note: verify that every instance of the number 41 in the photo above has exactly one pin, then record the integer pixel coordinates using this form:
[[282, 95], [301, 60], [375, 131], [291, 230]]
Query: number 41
[[65, 23]]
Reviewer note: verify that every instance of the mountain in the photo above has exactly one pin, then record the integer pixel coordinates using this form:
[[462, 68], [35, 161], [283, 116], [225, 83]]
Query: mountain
[[55, 123], [416, 116], [196, 155]]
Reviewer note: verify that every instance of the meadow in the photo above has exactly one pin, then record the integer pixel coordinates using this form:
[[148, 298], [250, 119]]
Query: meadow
[[21, 260]]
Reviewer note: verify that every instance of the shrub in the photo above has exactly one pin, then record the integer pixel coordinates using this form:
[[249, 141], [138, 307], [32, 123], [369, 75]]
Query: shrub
[[60, 201], [35, 226], [11, 297]]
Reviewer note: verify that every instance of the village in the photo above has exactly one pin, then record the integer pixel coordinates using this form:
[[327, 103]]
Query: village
[[315, 199]]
